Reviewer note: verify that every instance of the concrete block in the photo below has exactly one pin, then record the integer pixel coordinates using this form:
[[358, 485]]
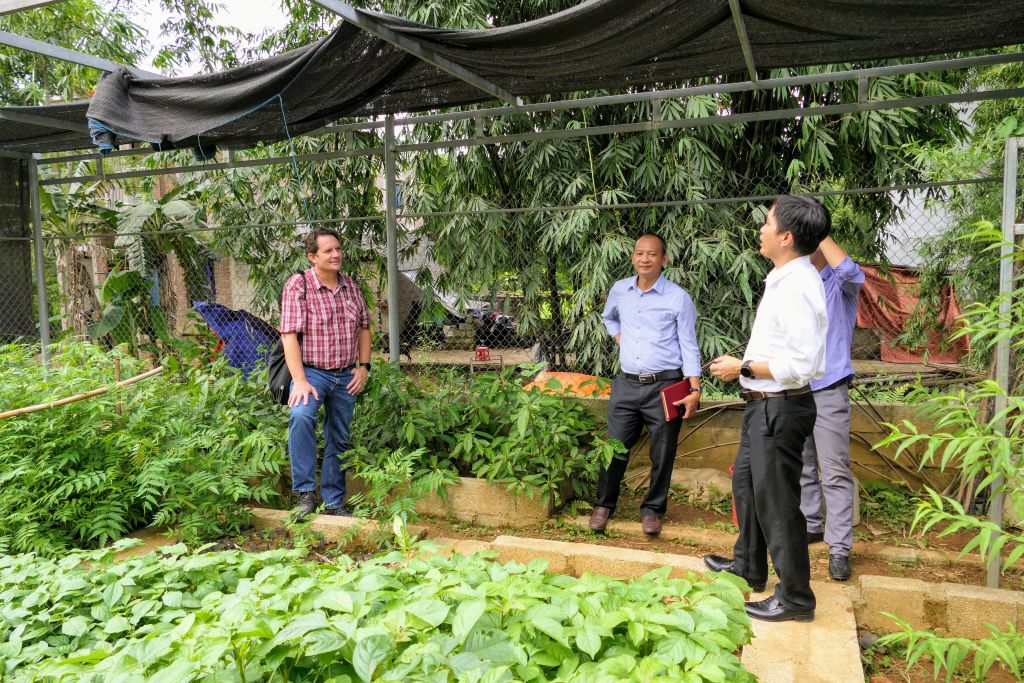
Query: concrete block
[[333, 528], [903, 597], [462, 546], [899, 555], [969, 608], [683, 565], [480, 502], [822, 651], [621, 563], [525, 550]]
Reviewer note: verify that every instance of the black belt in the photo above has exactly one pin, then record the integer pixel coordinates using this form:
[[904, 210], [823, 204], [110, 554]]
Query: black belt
[[649, 377], [761, 395], [317, 367], [838, 383]]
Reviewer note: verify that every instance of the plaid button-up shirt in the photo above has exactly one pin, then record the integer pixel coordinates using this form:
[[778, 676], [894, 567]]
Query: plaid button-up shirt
[[329, 321]]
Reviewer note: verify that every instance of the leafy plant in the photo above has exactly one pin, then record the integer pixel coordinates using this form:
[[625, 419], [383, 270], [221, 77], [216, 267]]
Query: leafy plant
[[891, 505], [959, 655], [271, 616], [984, 445], [488, 427], [86, 473], [128, 313]]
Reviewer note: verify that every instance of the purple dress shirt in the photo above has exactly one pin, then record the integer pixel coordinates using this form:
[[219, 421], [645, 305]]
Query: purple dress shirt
[[842, 287]]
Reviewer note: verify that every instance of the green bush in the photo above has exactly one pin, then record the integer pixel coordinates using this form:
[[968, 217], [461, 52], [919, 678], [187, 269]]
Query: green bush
[[180, 449], [233, 616], [486, 427]]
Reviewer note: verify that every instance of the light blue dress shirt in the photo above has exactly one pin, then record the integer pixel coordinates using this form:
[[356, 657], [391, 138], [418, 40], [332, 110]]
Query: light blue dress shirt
[[658, 327]]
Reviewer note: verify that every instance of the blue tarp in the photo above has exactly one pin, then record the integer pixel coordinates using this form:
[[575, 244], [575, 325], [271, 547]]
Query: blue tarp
[[247, 338]]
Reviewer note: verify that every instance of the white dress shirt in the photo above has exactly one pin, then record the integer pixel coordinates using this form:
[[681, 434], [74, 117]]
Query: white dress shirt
[[790, 328]]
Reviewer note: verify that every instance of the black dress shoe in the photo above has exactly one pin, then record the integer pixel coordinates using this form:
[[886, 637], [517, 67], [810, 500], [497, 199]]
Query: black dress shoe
[[815, 537], [839, 567], [771, 609], [717, 563]]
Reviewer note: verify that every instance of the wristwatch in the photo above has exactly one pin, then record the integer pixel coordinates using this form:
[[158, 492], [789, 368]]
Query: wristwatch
[[365, 365], [746, 371]]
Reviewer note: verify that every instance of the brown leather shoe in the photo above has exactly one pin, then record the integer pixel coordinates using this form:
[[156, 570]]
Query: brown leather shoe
[[651, 524], [599, 518]]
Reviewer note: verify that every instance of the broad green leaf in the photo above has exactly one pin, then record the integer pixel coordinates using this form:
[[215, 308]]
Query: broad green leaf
[[370, 652]]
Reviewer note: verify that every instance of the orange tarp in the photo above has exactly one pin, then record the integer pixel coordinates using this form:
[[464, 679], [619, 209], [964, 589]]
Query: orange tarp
[[571, 384], [888, 300]]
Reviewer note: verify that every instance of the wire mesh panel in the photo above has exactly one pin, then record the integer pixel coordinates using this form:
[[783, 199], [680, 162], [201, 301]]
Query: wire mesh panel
[[510, 239], [17, 315]]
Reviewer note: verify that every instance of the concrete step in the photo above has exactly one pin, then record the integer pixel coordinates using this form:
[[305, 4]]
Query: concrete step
[[822, 651]]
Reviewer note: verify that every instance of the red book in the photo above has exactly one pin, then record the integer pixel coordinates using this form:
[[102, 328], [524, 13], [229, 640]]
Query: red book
[[671, 394]]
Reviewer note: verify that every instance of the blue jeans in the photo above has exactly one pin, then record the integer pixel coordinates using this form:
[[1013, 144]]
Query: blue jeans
[[338, 408]]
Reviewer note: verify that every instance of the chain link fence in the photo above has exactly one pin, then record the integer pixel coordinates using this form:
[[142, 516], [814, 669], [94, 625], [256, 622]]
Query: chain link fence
[[506, 250]]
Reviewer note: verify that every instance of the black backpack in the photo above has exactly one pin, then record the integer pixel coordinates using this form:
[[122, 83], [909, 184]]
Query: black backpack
[[279, 379]]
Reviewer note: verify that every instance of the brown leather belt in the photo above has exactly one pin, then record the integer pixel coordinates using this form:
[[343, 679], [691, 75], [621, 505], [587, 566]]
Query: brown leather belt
[[761, 395]]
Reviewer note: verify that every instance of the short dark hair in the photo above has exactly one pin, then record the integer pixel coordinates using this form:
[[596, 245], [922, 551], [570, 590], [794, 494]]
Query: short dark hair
[[806, 218], [310, 240], [661, 240]]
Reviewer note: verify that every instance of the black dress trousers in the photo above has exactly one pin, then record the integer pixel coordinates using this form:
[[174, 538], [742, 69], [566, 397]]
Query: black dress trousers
[[632, 406], [766, 490]]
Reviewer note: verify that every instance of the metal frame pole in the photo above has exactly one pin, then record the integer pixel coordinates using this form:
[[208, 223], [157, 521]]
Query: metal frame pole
[[37, 242], [995, 512], [391, 214]]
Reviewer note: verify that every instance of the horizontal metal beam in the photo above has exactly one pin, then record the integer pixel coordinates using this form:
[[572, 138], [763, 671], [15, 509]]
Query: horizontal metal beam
[[774, 114], [709, 201], [7, 154], [628, 98], [46, 121], [63, 53], [741, 34], [417, 49], [12, 6], [200, 168]]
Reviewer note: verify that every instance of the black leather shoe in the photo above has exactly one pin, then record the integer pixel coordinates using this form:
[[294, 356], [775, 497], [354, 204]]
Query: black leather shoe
[[839, 567], [815, 537], [337, 512], [717, 563], [771, 609]]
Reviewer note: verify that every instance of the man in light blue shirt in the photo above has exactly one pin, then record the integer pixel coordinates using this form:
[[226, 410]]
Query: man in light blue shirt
[[654, 322], [828, 447]]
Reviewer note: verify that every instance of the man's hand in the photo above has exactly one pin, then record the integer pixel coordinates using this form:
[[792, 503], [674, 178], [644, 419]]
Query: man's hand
[[301, 391], [358, 381], [726, 368], [689, 404]]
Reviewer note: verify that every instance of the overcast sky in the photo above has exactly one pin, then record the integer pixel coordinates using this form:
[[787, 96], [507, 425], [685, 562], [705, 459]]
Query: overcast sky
[[253, 16]]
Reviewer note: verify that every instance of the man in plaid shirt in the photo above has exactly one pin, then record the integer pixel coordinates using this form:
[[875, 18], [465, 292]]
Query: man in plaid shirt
[[328, 366]]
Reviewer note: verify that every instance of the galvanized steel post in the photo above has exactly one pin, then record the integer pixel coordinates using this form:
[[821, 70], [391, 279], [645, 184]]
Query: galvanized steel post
[[1006, 254], [43, 307], [390, 212]]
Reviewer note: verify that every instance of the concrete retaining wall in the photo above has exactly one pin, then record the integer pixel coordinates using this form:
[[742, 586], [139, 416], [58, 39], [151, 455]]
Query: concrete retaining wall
[[713, 444]]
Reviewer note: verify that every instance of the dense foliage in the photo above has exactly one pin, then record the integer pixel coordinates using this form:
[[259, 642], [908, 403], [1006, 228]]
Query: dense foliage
[[427, 431], [183, 449], [984, 445], [270, 616]]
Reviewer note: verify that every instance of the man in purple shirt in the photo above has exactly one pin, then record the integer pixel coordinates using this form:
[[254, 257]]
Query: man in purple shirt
[[828, 447]]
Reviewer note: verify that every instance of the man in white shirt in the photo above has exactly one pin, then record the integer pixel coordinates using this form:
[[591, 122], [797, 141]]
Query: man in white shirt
[[785, 352]]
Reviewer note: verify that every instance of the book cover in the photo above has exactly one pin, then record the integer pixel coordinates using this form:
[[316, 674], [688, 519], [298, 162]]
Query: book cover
[[671, 394]]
